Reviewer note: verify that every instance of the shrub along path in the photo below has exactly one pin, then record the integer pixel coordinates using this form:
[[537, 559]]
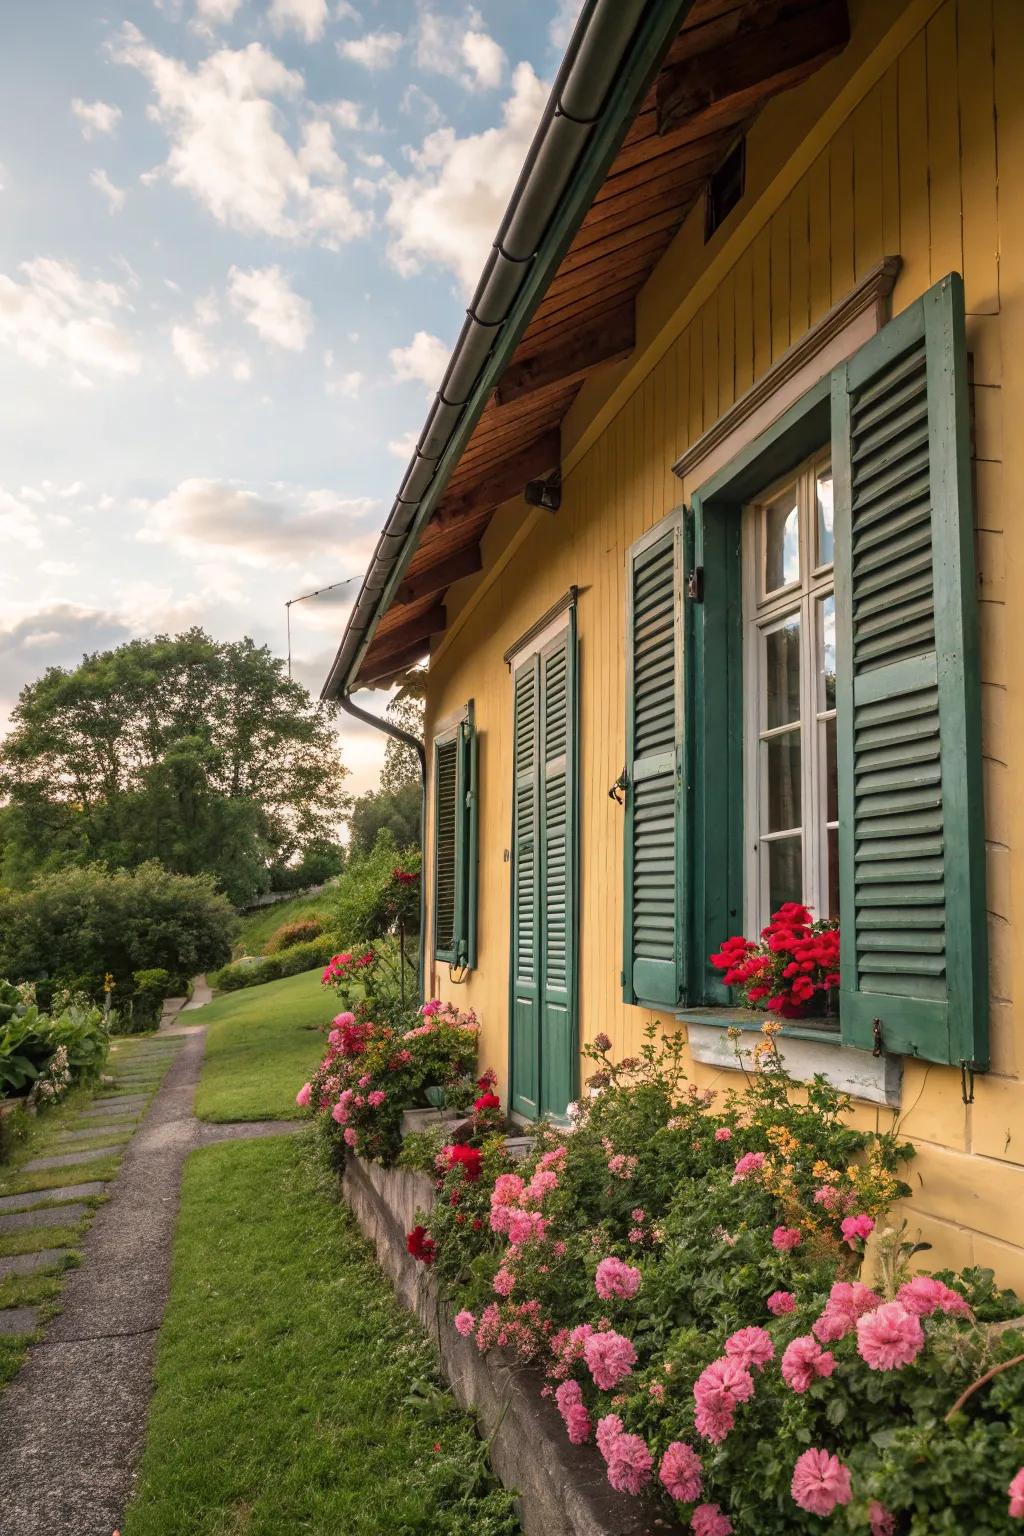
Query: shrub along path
[[72, 1421]]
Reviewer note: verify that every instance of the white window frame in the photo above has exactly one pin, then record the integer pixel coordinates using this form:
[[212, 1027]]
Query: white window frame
[[763, 612]]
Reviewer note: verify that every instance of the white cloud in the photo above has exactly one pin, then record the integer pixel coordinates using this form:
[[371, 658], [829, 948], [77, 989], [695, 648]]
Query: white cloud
[[217, 13], [228, 149], [202, 517], [115, 196], [56, 315], [306, 16], [565, 18], [96, 117], [402, 447], [458, 46], [266, 300], [345, 11], [18, 523], [416, 103], [448, 209], [376, 50], [192, 350], [348, 385], [241, 369], [425, 359]]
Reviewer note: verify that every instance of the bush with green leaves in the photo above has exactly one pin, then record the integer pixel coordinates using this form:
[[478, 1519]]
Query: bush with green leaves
[[685, 1270], [289, 934], [254, 970], [30, 1040], [370, 900], [74, 926], [142, 1011]]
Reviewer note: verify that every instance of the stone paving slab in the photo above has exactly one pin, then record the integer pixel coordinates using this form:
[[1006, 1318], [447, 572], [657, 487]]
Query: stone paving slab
[[31, 1197], [67, 1159], [117, 1109], [72, 1422], [117, 1102], [18, 1320], [123, 1130], [30, 1263], [49, 1216]]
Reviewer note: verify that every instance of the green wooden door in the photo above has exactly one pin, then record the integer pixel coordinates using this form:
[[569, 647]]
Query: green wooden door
[[543, 1003]]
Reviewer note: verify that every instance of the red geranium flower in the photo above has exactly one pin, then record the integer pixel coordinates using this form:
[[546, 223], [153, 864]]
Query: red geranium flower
[[486, 1101], [421, 1245], [468, 1158]]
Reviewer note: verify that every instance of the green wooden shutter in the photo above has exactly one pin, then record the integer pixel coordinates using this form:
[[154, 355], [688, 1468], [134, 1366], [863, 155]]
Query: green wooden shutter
[[525, 1033], [446, 775], [912, 852], [654, 948], [557, 869], [469, 797]]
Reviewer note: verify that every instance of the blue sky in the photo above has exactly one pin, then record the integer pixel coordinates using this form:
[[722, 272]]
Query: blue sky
[[237, 238]]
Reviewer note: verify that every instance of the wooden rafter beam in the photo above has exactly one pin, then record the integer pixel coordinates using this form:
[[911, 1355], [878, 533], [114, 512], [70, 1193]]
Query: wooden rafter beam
[[572, 357], [505, 479], [381, 669], [770, 53], [399, 631], [438, 576]]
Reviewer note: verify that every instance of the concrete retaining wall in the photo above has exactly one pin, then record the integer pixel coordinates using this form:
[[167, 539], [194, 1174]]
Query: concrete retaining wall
[[563, 1489]]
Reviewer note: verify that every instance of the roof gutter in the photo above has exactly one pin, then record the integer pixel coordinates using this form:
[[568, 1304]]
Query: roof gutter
[[612, 58]]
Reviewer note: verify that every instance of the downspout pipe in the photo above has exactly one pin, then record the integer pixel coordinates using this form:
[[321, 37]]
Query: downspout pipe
[[408, 740]]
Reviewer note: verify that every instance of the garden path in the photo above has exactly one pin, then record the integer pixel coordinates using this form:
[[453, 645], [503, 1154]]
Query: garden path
[[72, 1422]]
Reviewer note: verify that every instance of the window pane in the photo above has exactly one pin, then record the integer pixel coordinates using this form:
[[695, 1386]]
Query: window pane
[[781, 541], [831, 772], [782, 766], [833, 872], [782, 673], [785, 875], [827, 652], [826, 541]]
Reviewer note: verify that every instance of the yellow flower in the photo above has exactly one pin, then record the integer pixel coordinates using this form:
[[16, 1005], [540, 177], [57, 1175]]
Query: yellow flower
[[771, 1027]]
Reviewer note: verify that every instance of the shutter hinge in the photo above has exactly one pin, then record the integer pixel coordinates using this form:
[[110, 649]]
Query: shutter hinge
[[695, 584], [617, 791], [878, 1048], [967, 1081], [622, 978]]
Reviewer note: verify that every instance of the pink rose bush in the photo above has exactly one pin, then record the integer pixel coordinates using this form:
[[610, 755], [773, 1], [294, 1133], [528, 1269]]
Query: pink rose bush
[[694, 1306]]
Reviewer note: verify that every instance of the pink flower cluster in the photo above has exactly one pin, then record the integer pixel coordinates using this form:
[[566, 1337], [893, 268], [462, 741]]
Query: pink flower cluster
[[681, 1472], [803, 1361], [750, 1162], [570, 1404], [628, 1460], [856, 1228], [614, 1278], [890, 1337], [820, 1482], [924, 1295], [752, 1347], [718, 1391], [848, 1301], [786, 1238], [781, 1302], [1016, 1492], [610, 1358], [708, 1520]]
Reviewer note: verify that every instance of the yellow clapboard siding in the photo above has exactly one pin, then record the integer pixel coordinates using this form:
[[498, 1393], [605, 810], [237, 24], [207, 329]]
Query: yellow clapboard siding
[[911, 171]]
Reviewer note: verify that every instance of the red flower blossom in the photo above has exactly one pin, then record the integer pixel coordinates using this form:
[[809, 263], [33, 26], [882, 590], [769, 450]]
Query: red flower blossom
[[486, 1101], [466, 1158], [421, 1245]]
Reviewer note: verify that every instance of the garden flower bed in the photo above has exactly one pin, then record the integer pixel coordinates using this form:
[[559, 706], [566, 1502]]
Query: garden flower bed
[[683, 1274]]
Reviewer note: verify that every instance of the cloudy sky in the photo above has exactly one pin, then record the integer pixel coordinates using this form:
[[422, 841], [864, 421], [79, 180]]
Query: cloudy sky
[[237, 238]]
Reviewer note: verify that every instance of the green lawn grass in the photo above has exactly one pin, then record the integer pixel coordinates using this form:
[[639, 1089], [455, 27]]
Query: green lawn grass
[[293, 1394], [255, 928], [261, 1045]]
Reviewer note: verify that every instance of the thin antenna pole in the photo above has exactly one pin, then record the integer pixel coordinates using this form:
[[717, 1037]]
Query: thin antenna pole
[[304, 598]]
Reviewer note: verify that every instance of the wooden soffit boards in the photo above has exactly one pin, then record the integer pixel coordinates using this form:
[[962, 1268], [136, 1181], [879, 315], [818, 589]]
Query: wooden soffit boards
[[729, 57]]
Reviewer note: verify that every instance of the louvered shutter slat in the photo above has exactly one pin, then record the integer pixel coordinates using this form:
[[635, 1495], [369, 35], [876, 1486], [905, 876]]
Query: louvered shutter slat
[[525, 892], [911, 844], [446, 775]]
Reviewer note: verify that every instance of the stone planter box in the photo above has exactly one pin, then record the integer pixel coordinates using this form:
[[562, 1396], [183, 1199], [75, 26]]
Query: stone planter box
[[563, 1489]]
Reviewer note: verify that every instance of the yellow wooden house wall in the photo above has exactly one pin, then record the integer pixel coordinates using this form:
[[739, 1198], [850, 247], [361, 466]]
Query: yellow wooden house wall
[[910, 144]]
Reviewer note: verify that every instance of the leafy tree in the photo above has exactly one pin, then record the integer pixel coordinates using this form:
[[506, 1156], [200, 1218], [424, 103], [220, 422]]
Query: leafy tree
[[74, 925], [397, 811], [202, 754], [401, 764]]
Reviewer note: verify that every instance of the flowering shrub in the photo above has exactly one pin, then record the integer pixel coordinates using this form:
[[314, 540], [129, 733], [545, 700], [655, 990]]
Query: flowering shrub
[[795, 960], [684, 1271], [371, 1072]]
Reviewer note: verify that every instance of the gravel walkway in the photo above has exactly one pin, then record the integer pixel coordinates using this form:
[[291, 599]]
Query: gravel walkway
[[72, 1423]]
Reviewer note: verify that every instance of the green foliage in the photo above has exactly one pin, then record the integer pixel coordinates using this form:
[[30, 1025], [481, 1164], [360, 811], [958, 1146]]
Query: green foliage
[[366, 902], [320, 862], [201, 754], [255, 970], [150, 987], [289, 934], [396, 811], [30, 1041], [74, 925], [255, 928]]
